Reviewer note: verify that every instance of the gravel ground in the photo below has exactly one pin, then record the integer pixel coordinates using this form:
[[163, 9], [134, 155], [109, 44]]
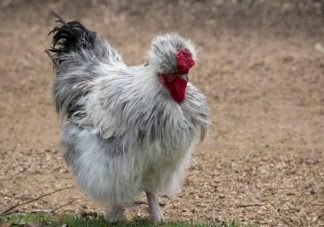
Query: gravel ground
[[262, 71]]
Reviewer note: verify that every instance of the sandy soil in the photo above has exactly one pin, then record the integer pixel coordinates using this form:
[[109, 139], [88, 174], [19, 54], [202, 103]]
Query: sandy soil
[[263, 161]]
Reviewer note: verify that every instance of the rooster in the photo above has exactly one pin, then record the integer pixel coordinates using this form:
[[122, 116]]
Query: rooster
[[127, 129]]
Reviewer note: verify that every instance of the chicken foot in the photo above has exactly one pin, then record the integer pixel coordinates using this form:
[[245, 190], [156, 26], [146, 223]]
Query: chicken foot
[[115, 214]]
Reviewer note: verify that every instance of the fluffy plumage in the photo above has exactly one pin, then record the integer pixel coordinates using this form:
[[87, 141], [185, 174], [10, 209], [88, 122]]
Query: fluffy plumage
[[123, 132]]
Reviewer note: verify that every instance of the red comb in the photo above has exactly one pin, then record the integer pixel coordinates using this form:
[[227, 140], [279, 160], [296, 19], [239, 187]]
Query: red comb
[[184, 61]]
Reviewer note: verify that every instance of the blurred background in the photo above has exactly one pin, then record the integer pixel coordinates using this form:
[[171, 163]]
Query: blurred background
[[261, 65]]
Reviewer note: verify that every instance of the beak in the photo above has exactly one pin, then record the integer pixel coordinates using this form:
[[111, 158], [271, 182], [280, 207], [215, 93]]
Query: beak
[[185, 77]]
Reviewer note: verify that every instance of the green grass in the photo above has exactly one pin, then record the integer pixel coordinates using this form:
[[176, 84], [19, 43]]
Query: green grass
[[76, 221]]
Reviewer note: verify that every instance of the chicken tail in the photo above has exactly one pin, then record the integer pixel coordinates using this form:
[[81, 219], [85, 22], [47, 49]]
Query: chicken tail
[[77, 54], [69, 37]]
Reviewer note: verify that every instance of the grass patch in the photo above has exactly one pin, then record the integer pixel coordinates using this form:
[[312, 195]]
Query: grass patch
[[47, 220]]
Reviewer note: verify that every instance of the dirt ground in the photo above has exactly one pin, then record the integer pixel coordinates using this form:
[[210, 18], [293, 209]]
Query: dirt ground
[[263, 74]]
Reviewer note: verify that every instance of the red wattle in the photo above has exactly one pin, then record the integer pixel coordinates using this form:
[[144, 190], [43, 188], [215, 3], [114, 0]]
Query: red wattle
[[177, 89], [176, 86]]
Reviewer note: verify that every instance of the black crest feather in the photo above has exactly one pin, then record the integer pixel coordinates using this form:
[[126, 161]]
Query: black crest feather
[[69, 37]]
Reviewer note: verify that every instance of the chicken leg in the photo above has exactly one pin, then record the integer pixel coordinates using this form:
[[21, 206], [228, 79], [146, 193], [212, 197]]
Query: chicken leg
[[154, 208]]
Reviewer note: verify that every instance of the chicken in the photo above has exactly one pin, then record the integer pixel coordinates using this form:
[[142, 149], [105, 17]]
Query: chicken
[[127, 129]]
